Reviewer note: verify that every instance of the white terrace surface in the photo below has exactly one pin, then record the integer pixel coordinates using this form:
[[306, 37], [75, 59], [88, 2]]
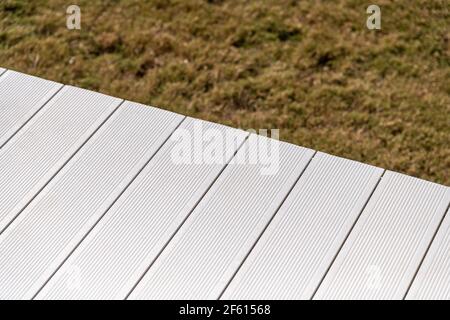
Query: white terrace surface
[[100, 200]]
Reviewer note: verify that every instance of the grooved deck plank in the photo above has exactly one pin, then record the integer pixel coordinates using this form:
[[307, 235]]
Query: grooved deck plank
[[43, 146], [210, 246], [384, 250], [21, 96], [299, 245], [94, 205], [433, 279], [54, 223], [118, 251]]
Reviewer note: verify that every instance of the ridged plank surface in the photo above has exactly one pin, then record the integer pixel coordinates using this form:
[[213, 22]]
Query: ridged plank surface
[[433, 279], [118, 251], [21, 96], [39, 150], [299, 245], [43, 235], [384, 250], [208, 249]]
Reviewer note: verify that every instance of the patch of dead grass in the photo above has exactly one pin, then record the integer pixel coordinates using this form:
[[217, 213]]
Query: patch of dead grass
[[310, 68]]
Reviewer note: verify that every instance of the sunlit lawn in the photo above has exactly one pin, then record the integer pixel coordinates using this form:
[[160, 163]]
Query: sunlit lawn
[[309, 68]]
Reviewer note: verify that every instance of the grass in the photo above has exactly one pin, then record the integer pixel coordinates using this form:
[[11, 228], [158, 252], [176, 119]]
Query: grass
[[310, 68]]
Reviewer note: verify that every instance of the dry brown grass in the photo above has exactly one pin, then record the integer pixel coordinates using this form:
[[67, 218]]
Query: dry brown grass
[[310, 68]]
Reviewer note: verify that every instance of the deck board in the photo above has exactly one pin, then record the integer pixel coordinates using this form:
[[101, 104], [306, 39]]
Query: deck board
[[433, 279], [299, 245], [384, 250], [210, 246], [43, 146], [118, 251], [70, 205], [21, 96], [93, 205]]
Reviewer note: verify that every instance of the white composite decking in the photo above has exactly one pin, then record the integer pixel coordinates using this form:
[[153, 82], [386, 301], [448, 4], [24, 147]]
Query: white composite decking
[[288, 262], [432, 281], [385, 248], [43, 146], [93, 206], [16, 109], [210, 246]]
